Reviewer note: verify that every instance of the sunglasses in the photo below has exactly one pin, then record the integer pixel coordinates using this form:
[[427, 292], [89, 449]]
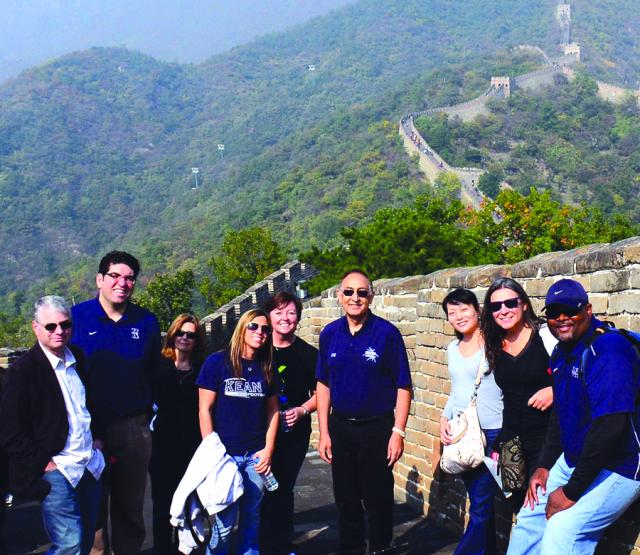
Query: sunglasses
[[254, 326], [187, 334], [496, 306], [53, 326], [361, 293], [553, 312]]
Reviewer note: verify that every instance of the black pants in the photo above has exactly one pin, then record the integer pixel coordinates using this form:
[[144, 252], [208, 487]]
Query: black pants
[[276, 512], [4, 480], [166, 470], [362, 481]]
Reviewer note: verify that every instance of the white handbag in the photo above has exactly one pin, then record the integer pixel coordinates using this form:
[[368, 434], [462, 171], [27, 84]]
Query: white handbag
[[466, 451]]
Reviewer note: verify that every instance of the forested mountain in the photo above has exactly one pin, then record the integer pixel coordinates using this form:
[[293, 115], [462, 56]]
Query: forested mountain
[[33, 31], [564, 138], [96, 148]]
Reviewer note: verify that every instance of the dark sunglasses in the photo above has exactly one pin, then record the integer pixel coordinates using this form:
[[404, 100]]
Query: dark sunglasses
[[253, 326], [496, 306], [187, 334], [53, 326], [553, 312], [361, 293]]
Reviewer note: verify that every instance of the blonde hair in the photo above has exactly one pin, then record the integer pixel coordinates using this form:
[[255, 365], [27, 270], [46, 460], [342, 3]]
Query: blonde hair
[[237, 345]]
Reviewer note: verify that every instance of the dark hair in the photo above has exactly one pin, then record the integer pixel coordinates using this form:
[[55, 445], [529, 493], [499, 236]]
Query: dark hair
[[119, 257], [282, 298], [492, 333], [197, 355], [460, 296], [357, 271]]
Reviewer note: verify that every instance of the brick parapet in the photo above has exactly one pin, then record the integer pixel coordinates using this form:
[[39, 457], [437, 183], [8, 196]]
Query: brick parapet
[[611, 276]]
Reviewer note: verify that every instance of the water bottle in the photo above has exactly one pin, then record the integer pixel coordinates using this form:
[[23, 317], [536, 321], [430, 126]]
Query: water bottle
[[284, 407], [270, 482]]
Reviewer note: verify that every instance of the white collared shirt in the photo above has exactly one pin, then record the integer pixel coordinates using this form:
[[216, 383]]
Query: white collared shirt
[[78, 452]]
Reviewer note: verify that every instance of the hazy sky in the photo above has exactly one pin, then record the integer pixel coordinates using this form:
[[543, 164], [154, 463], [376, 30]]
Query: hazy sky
[[33, 31]]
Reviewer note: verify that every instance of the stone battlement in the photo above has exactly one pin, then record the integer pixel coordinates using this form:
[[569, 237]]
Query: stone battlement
[[290, 277], [609, 272]]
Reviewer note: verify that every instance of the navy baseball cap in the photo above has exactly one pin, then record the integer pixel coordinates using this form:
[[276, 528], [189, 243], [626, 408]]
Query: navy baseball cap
[[566, 292]]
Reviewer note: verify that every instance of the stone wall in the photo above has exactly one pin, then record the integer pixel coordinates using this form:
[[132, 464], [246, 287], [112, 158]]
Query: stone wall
[[611, 275], [291, 277]]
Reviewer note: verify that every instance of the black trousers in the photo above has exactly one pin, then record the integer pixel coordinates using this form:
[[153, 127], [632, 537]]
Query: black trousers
[[166, 470], [362, 482], [276, 512], [4, 488]]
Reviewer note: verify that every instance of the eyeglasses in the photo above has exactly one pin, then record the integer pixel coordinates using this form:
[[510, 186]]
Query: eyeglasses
[[264, 328], [496, 306], [116, 277], [53, 326], [553, 312], [361, 293], [187, 334]]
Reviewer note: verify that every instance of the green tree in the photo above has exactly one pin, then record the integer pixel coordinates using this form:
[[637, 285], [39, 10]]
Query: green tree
[[168, 295], [15, 331], [246, 256], [489, 182], [398, 242], [438, 233], [516, 227]]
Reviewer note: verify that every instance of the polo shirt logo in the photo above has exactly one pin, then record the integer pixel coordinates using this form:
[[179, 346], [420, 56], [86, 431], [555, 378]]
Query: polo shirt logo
[[135, 333], [575, 372], [333, 355], [371, 355]]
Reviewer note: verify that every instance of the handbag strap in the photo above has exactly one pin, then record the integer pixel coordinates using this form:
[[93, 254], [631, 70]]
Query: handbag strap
[[478, 378]]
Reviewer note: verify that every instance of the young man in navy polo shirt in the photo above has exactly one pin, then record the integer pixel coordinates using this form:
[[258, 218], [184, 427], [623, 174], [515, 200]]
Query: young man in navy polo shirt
[[589, 468], [122, 344], [364, 395]]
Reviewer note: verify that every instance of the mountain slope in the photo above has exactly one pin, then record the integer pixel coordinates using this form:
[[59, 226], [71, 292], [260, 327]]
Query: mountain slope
[[96, 148]]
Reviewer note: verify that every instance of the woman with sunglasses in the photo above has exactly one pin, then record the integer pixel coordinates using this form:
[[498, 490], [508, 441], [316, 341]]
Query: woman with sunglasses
[[517, 355], [465, 356], [238, 399], [295, 362], [175, 428]]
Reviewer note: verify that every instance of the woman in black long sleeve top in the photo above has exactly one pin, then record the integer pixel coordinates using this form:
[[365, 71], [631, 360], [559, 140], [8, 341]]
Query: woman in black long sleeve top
[[517, 355], [175, 428]]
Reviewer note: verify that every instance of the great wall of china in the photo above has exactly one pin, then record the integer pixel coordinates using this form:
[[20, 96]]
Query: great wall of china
[[432, 164], [609, 272]]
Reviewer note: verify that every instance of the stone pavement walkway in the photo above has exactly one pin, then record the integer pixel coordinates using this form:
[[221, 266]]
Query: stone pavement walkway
[[315, 522]]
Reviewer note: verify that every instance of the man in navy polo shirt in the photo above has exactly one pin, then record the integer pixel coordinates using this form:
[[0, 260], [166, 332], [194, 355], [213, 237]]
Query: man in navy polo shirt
[[589, 468], [122, 344], [364, 395]]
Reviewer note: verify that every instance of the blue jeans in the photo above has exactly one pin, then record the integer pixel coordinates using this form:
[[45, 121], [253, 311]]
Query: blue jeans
[[480, 535], [69, 514], [248, 507], [575, 530]]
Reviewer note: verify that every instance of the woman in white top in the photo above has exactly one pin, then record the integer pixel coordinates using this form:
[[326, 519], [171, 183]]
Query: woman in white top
[[465, 356]]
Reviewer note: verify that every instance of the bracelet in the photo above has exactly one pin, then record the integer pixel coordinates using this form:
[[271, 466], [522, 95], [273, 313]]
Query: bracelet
[[400, 432], [305, 409]]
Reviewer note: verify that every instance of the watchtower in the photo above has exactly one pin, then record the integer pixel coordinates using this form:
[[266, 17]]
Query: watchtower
[[572, 49], [503, 85], [563, 12]]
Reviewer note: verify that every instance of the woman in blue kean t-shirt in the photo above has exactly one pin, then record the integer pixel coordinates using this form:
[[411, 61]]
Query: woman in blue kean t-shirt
[[238, 399]]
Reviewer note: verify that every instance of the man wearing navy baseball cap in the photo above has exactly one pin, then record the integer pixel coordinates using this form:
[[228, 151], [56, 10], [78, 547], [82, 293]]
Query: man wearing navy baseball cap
[[589, 468]]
